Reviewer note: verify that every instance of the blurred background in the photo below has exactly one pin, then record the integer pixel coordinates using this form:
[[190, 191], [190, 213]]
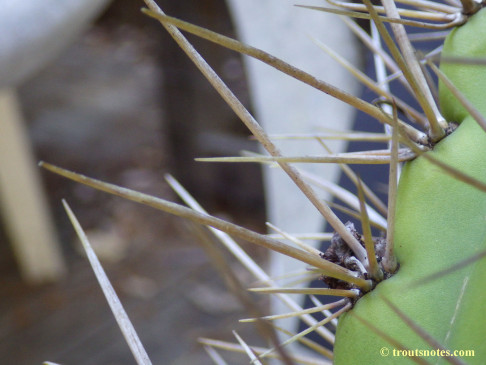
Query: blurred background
[[123, 104]]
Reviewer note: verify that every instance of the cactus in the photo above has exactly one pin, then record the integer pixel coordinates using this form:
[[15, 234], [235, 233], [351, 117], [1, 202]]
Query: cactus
[[414, 295], [438, 224]]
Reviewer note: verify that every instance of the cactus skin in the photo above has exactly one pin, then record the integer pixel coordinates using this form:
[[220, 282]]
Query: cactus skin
[[466, 41], [439, 222]]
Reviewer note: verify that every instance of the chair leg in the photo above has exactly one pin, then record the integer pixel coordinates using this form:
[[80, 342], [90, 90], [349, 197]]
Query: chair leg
[[22, 200]]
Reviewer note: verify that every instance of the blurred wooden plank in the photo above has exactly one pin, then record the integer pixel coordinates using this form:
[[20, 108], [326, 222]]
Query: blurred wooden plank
[[23, 204]]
